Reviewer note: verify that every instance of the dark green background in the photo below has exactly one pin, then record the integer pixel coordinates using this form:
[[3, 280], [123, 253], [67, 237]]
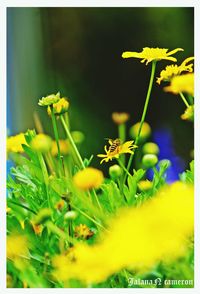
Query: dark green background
[[77, 51]]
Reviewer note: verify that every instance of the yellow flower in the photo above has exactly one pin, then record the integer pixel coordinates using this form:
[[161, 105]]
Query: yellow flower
[[60, 204], [41, 143], [14, 143], [120, 117], [183, 83], [174, 70], [124, 148], [49, 100], [189, 113], [88, 178], [37, 228], [139, 238], [64, 147], [82, 231], [152, 54], [17, 245], [59, 107]]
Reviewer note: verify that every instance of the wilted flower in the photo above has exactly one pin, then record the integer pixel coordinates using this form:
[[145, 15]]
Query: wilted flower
[[110, 154], [152, 54], [120, 117], [82, 231], [41, 143], [88, 178], [59, 107], [183, 83], [174, 70], [163, 224], [49, 100], [189, 113], [64, 147], [14, 143]]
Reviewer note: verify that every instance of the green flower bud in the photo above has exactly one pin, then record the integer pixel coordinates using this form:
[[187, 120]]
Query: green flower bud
[[42, 216], [78, 137], [70, 215], [164, 163], [49, 100], [144, 134], [115, 171], [150, 148], [145, 185], [149, 160], [41, 143]]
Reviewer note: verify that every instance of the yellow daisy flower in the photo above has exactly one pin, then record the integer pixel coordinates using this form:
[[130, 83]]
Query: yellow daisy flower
[[82, 231], [152, 54], [110, 154], [14, 143], [183, 83], [174, 70]]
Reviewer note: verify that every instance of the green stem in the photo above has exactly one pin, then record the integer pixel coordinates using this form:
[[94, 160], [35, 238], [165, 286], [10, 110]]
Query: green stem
[[96, 198], [72, 142], [122, 137], [23, 206], [123, 167], [153, 68], [45, 175], [55, 129], [184, 99]]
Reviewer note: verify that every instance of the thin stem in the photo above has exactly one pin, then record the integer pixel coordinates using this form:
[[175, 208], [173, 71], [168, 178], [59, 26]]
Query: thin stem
[[23, 206], [122, 137], [184, 99], [55, 129], [45, 175], [72, 142], [96, 198], [153, 68], [123, 167]]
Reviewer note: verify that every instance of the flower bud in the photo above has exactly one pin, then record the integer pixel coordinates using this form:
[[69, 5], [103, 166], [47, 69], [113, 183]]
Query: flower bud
[[144, 134], [78, 137], [70, 215], [188, 114], [120, 117], [145, 185], [49, 100], [59, 107], [150, 148], [115, 171], [149, 160]]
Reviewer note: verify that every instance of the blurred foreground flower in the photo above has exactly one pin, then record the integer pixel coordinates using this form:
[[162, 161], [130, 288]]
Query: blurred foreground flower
[[49, 100], [183, 83], [17, 245], [120, 117], [138, 238], [174, 70], [88, 178], [41, 143], [64, 147], [120, 149], [14, 143], [152, 54]]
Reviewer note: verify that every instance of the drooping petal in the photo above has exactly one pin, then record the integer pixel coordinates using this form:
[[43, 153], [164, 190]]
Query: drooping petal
[[174, 51]]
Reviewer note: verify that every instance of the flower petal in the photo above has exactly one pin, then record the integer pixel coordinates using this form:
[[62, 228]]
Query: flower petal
[[174, 51]]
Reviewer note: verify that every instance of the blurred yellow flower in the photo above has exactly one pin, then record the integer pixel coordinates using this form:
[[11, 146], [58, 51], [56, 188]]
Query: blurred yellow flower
[[49, 100], [174, 70], [120, 117], [88, 178], [152, 54], [183, 83], [120, 149], [189, 113], [14, 143], [64, 147], [138, 238], [41, 143], [82, 231], [37, 228], [59, 107], [145, 131], [17, 245], [60, 204]]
